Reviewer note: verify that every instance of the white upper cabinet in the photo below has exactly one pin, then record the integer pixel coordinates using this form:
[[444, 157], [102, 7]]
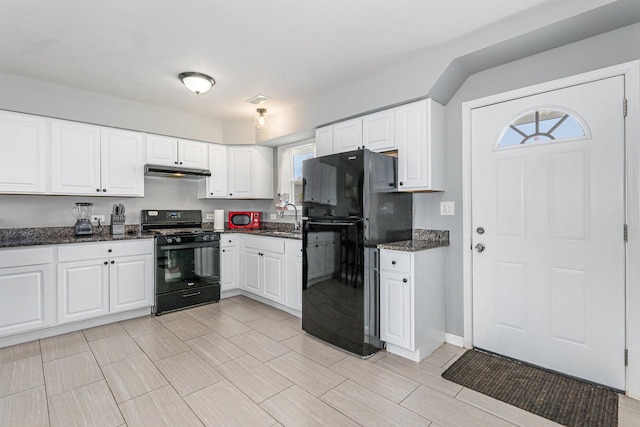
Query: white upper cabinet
[[75, 158], [347, 135], [167, 151], [378, 131], [94, 160], [249, 173], [324, 141], [420, 141], [23, 144], [122, 166], [215, 186], [241, 172]]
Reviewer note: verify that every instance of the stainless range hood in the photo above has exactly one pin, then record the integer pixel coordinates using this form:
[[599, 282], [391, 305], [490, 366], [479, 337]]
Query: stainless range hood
[[175, 172]]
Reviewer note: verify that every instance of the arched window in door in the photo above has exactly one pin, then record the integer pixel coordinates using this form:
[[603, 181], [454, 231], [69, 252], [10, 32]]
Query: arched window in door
[[542, 126]]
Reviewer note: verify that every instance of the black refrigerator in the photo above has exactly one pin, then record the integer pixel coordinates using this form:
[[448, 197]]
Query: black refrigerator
[[350, 204]]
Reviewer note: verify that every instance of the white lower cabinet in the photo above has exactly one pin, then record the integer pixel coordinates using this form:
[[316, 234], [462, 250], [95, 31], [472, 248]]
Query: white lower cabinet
[[412, 302], [95, 279], [293, 276], [229, 262], [27, 290], [263, 261]]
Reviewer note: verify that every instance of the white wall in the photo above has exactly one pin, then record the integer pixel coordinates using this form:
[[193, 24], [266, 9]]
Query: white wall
[[17, 211], [590, 54], [53, 100]]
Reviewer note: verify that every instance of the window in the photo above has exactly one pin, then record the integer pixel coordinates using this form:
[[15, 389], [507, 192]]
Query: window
[[539, 126], [290, 173]]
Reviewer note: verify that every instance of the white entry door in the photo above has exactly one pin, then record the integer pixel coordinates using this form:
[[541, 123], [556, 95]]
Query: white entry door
[[548, 230]]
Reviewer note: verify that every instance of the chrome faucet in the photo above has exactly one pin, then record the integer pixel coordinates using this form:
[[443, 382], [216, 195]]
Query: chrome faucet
[[296, 226]]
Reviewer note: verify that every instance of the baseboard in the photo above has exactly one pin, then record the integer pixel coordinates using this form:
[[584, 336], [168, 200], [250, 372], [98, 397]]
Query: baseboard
[[456, 340]]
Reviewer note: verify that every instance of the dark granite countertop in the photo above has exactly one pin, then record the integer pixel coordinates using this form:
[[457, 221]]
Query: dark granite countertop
[[269, 229], [17, 237], [268, 233], [422, 240]]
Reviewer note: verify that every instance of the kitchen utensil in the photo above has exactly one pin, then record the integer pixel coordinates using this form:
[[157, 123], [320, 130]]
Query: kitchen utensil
[[82, 214]]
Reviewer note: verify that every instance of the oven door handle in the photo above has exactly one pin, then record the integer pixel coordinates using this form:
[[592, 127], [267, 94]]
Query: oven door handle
[[214, 244]]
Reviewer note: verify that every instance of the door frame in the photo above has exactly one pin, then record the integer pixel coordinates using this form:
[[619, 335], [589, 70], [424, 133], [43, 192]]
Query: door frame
[[631, 71]]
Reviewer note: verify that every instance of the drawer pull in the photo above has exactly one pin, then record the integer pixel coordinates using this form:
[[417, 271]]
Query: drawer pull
[[393, 262], [404, 280], [193, 294]]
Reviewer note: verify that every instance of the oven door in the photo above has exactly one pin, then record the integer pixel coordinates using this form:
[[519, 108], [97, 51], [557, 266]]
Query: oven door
[[185, 266]]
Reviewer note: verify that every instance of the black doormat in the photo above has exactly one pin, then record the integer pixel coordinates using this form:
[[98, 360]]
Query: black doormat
[[553, 396]]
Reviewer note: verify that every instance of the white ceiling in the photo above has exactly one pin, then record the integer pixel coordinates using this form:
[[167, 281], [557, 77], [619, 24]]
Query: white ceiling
[[290, 50]]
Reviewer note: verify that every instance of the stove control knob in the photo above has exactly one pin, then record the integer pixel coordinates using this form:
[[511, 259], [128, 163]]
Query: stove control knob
[[178, 240], [206, 237], [169, 239]]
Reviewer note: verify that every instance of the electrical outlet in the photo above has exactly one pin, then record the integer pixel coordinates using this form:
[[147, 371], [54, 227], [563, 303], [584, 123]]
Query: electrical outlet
[[273, 216], [209, 216], [95, 219], [447, 208]]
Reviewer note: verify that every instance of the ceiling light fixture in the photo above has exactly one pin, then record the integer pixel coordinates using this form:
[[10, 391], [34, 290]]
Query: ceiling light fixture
[[261, 120], [197, 83]]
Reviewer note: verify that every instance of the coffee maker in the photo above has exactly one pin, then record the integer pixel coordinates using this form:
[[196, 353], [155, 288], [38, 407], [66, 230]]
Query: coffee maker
[[82, 213]]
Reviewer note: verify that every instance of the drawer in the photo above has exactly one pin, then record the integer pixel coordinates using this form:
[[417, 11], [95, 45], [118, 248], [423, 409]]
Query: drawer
[[271, 244], [395, 261], [82, 251], [229, 240], [28, 256]]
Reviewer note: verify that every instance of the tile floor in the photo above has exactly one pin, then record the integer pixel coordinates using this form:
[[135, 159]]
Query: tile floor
[[239, 363]]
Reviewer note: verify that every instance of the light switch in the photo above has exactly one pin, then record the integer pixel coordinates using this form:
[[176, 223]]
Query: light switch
[[447, 208]]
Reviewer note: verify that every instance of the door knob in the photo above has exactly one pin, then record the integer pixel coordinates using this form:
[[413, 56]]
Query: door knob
[[480, 247], [480, 230]]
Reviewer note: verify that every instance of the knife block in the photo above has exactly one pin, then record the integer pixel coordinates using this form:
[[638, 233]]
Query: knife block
[[117, 224]]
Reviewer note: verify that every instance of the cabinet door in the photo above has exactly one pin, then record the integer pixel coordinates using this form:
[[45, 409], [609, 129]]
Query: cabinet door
[[413, 151], [396, 309], [324, 141], [240, 172], [216, 184], [83, 290], [347, 135], [23, 147], [262, 169], [252, 267], [273, 276], [28, 298], [75, 158], [193, 154], [131, 283], [229, 268], [378, 131], [161, 150], [122, 163], [293, 275]]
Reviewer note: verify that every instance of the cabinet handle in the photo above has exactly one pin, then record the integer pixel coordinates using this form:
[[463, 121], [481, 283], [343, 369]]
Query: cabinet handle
[[97, 190], [175, 163], [393, 262], [404, 280], [231, 194], [212, 194], [223, 250], [104, 190], [109, 250], [229, 241], [113, 262], [180, 162], [401, 183], [106, 263]]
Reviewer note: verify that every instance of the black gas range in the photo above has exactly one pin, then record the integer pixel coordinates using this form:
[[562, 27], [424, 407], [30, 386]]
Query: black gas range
[[187, 259]]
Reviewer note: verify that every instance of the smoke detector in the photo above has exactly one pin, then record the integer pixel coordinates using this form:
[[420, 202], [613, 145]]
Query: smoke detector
[[258, 99]]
